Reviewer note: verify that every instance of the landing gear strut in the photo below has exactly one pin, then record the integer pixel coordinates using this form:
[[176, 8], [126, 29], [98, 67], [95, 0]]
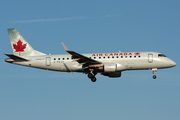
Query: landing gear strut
[[92, 77], [154, 70]]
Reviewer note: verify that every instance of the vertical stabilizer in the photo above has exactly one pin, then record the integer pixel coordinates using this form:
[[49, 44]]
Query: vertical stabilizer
[[20, 46]]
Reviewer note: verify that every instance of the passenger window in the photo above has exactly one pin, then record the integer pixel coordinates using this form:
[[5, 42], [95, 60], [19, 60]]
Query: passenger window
[[104, 57], [134, 56], [130, 56], [58, 58], [94, 57], [139, 56], [117, 57], [125, 56], [112, 56], [67, 58], [108, 57], [99, 57], [54, 58], [63, 58], [121, 56]]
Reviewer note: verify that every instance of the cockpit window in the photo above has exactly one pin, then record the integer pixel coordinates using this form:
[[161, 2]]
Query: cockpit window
[[161, 55]]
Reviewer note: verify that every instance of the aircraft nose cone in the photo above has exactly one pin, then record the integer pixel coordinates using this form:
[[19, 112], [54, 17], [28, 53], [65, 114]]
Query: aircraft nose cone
[[173, 63]]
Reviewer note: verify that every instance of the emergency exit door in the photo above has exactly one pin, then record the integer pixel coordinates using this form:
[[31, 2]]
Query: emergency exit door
[[48, 61], [150, 58]]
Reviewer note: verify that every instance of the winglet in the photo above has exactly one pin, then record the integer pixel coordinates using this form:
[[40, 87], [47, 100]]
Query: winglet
[[65, 47]]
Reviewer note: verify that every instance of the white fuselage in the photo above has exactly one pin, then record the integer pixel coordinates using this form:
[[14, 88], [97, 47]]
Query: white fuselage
[[124, 61]]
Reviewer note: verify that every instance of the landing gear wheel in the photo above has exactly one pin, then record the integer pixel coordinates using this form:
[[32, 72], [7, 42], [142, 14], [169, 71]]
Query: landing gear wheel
[[93, 79], [154, 76], [90, 75]]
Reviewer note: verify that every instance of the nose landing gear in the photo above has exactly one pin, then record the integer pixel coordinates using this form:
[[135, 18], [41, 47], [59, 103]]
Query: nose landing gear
[[154, 70], [154, 76]]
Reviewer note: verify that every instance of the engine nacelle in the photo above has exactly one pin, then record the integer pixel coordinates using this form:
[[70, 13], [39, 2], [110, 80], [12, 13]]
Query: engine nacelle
[[112, 74], [112, 67]]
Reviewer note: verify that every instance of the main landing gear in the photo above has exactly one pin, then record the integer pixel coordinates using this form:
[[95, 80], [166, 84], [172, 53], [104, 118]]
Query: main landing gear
[[154, 70], [92, 77]]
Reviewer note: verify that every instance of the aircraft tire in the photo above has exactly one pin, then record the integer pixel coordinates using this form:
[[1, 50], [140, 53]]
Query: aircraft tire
[[154, 76], [90, 75], [93, 79]]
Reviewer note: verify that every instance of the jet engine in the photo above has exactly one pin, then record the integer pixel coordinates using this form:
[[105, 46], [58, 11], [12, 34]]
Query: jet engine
[[112, 67]]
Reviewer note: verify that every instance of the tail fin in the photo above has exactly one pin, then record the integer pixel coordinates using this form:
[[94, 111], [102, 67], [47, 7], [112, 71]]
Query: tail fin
[[20, 46]]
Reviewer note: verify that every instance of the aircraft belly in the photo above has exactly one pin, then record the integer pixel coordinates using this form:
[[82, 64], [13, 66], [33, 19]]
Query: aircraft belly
[[138, 64], [69, 67]]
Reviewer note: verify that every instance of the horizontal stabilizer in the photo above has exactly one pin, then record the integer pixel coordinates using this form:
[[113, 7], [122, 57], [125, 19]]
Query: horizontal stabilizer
[[16, 58]]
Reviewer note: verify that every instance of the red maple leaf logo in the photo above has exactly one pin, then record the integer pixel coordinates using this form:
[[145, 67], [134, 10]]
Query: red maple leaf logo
[[137, 53], [19, 47]]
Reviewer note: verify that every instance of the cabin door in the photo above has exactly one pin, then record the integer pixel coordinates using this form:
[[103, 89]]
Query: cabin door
[[48, 61], [150, 58]]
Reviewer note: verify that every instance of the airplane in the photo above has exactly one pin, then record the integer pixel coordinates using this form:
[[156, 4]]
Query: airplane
[[107, 64]]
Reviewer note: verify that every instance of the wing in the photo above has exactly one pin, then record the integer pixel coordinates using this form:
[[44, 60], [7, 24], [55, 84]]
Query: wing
[[81, 59]]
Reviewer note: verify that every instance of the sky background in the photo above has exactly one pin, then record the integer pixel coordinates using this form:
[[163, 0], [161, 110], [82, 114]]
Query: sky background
[[91, 26]]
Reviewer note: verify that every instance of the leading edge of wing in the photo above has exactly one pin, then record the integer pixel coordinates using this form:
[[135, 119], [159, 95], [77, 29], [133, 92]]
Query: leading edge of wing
[[81, 59]]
